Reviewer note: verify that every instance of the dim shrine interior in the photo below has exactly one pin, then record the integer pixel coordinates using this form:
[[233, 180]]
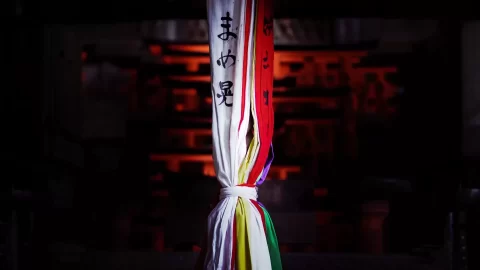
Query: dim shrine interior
[[362, 148]]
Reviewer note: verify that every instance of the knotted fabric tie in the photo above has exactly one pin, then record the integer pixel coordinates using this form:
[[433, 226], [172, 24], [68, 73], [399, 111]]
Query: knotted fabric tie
[[239, 191]]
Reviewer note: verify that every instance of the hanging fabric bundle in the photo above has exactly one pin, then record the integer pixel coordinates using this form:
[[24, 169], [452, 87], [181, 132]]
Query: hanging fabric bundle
[[240, 231]]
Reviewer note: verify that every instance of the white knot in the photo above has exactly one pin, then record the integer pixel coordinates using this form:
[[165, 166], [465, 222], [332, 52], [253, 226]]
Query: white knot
[[239, 191]]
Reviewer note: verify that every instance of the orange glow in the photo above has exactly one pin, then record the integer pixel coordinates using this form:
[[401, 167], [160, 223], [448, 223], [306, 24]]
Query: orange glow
[[283, 171], [209, 170], [173, 162], [185, 91], [317, 67], [155, 50], [191, 78], [169, 90], [324, 102], [179, 107], [192, 63], [303, 70], [202, 48], [315, 71]]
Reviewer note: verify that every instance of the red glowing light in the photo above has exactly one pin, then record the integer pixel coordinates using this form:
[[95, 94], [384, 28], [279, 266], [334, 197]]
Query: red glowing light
[[320, 192], [155, 49]]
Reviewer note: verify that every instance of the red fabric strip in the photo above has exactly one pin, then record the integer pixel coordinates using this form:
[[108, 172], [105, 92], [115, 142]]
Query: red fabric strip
[[263, 84], [245, 77], [260, 210], [234, 243]]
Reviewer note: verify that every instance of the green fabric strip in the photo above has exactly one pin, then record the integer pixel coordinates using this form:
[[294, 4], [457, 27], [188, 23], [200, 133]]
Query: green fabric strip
[[272, 241]]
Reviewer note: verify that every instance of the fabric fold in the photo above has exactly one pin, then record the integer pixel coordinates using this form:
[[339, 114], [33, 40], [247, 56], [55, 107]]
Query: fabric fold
[[240, 232]]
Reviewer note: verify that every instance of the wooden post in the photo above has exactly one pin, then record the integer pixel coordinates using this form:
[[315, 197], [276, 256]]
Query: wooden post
[[372, 219]]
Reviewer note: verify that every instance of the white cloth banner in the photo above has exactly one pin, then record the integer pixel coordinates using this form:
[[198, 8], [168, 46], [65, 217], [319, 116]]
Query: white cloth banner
[[231, 35]]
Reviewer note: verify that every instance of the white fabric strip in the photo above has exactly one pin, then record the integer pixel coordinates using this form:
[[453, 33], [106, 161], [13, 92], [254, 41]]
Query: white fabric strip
[[244, 192], [226, 19], [220, 235], [226, 37], [259, 254]]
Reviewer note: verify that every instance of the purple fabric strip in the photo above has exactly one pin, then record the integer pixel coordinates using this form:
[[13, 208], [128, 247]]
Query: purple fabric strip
[[261, 204], [267, 166]]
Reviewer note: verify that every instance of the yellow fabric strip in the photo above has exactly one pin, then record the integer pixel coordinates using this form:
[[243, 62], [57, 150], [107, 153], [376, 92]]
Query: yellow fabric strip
[[242, 178], [242, 261], [242, 215]]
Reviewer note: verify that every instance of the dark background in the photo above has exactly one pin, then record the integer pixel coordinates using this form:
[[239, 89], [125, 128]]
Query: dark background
[[77, 170]]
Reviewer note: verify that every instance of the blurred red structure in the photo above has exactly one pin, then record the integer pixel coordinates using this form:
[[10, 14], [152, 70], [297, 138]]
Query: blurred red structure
[[318, 97]]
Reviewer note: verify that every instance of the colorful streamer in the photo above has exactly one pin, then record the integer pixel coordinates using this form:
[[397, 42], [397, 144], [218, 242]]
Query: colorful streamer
[[240, 231]]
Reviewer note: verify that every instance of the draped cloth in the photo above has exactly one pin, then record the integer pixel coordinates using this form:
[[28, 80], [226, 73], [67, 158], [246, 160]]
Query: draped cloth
[[240, 232]]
